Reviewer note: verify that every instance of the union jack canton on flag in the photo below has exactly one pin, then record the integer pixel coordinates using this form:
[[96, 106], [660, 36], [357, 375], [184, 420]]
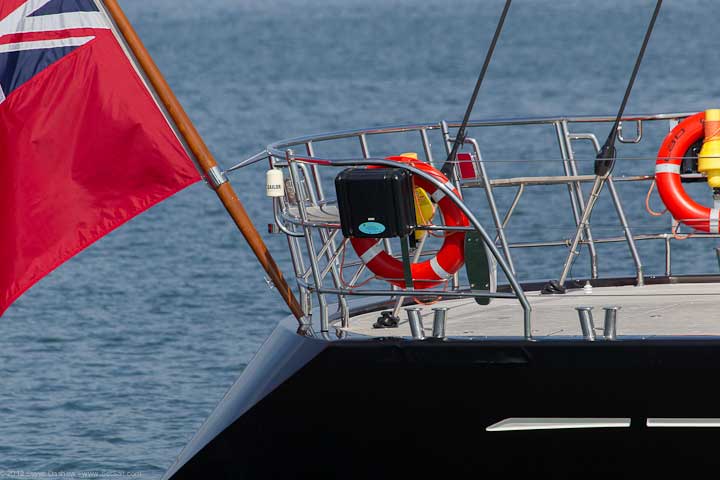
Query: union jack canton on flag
[[84, 146]]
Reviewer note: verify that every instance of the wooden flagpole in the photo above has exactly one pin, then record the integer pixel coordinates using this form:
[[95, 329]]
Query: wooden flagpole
[[201, 152]]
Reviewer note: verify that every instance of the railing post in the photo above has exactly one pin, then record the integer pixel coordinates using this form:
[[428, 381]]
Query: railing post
[[314, 266], [295, 256], [427, 147], [491, 202], [619, 209], [577, 200], [594, 194], [325, 237]]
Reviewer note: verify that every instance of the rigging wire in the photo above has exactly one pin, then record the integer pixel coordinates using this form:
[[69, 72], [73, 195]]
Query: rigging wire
[[460, 137], [264, 155], [607, 156]]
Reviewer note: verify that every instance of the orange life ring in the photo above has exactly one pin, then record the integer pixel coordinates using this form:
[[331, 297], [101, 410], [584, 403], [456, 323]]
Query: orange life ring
[[667, 175], [449, 258]]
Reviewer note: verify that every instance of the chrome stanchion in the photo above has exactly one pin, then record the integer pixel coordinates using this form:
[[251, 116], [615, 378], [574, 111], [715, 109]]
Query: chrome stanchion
[[439, 322], [415, 320], [610, 330], [586, 323]]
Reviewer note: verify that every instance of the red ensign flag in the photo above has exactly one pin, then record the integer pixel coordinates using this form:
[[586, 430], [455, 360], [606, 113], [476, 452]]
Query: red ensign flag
[[84, 147]]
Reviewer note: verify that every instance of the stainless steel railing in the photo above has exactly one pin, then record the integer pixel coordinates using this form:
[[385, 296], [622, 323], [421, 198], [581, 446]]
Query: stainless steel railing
[[318, 253], [502, 263]]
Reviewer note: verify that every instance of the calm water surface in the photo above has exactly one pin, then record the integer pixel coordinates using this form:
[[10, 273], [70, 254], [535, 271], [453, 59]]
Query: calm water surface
[[113, 362]]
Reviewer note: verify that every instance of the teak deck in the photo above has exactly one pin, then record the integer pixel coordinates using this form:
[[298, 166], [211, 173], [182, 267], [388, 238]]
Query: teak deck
[[652, 310]]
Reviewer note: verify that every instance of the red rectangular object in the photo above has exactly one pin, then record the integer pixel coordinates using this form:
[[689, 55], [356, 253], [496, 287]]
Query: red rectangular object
[[466, 164], [84, 147]]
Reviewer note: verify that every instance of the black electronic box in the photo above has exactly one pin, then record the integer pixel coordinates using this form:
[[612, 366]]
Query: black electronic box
[[376, 202]]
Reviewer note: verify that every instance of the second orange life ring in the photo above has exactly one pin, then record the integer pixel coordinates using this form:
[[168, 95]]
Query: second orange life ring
[[667, 175]]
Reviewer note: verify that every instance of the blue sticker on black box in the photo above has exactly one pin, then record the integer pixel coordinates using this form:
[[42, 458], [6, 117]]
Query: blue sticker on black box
[[372, 228]]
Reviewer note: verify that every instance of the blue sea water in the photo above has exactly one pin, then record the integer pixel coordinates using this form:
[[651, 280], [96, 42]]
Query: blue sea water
[[113, 362]]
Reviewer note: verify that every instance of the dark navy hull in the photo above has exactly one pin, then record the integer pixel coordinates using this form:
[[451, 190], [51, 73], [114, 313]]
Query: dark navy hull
[[374, 408]]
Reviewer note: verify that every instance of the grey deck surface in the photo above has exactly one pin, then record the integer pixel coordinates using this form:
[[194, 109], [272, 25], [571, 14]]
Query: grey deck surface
[[678, 309]]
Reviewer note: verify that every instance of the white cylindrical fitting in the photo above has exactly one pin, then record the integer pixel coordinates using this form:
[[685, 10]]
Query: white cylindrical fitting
[[275, 184]]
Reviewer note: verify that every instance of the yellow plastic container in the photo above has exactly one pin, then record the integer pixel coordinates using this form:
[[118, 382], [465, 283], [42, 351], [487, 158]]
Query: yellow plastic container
[[424, 211], [709, 158], [424, 208]]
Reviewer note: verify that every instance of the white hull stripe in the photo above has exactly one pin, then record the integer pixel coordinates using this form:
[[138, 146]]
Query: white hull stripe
[[683, 422], [372, 252], [439, 194], [714, 220], [521, 424], [667, 168], [42, 44], [439, 271]]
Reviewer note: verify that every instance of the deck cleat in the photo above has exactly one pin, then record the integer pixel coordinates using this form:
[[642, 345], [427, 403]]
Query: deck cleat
[[387, 320]]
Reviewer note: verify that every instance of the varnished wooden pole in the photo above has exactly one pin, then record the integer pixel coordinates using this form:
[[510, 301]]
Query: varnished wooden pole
[[201, 152]]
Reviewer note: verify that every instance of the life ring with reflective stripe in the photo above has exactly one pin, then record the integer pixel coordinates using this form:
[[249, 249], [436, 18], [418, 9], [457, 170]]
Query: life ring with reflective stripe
[[449, 258], [667, 175]]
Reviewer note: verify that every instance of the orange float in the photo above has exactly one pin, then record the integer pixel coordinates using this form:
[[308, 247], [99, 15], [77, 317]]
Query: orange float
[[449, 258], [667, 175]]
